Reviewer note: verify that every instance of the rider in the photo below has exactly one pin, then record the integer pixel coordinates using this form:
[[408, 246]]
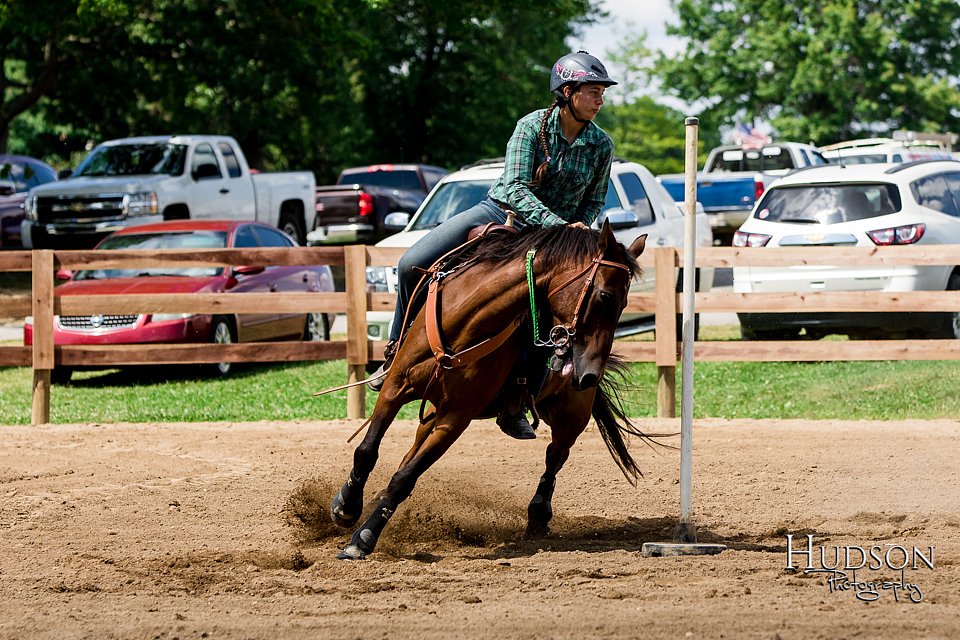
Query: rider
[[557, 166]]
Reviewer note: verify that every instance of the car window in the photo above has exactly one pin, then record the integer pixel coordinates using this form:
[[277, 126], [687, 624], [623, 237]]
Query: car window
[[828, 203], [613, 199], [637, 197], [450, 199], [404, 179], [134, 159], [774, 158], [244, 238], [932, 192], [204, 155], [432, 177], [230, 159], [25, 175], [158, 242], [271, 237], [953, 183]]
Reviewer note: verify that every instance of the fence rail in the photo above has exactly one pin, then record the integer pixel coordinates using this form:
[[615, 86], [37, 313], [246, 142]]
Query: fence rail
[[43, 304]]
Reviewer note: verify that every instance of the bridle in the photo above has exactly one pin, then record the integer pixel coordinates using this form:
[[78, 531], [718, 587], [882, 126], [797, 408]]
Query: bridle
[[561, 335]]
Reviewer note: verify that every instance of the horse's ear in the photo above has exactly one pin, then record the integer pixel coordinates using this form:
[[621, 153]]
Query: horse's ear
[[636, 248], [606, 236]]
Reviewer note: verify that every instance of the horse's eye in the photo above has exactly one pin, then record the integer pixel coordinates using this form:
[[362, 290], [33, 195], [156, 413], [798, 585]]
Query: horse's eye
[[606, 297]]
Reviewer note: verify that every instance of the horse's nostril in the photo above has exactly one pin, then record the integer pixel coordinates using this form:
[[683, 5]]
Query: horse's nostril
[[588, 380]]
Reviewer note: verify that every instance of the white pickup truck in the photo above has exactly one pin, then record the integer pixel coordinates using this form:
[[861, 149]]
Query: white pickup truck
[[133, 181]]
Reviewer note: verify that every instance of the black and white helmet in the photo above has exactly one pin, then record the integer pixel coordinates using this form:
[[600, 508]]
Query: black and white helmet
[[576, 69]]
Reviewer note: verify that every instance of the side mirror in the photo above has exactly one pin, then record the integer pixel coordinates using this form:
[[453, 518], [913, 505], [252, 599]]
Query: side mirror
[[248, 270], [618, 218], [64, 173], [206, 170], [396, 221]]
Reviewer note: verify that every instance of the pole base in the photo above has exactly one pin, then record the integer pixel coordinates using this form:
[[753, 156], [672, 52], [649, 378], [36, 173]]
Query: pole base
[[666, 549]]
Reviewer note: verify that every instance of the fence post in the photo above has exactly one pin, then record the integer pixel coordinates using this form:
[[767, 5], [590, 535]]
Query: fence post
[[42, 288], [665, 262], [355, 284]]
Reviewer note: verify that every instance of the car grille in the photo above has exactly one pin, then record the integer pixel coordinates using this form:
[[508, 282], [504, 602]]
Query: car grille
[[93, 323], [80, 208]]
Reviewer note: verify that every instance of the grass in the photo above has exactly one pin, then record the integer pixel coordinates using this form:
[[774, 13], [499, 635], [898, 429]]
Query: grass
[[829, 390]]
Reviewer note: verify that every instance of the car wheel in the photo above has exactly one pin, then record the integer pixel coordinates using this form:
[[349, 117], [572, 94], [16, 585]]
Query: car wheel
[[222, 333], [61, 375], [292, 225], [317, 328], [950, 324]]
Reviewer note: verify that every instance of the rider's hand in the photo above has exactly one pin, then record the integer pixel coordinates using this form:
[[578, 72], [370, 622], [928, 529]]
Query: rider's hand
[[578, 225]]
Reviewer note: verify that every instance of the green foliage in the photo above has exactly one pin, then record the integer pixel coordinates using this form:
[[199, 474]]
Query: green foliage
[[315, 84], [820, 70]]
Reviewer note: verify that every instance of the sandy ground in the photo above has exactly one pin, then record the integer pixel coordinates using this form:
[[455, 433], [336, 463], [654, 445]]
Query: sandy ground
[[220, 531]]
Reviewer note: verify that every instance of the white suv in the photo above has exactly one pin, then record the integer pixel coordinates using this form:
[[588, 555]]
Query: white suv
[[856, 205], [636, 203]]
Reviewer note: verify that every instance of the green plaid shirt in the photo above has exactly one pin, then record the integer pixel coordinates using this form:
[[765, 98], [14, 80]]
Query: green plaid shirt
[[575, 186]]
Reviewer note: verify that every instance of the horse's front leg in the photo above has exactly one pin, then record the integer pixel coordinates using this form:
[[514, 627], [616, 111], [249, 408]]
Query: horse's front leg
[[567, 413], [433, 439], [347, 505]]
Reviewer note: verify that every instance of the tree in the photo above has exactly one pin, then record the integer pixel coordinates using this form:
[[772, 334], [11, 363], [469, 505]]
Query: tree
[[821, 70]]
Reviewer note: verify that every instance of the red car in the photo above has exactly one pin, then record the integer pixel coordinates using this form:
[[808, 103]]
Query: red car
[[178, 327]]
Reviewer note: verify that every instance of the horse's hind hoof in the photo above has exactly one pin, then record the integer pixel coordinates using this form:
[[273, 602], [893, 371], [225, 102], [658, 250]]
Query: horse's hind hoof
[[351, 552]]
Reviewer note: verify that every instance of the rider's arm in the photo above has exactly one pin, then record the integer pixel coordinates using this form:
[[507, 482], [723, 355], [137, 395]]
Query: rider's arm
[[520, 163], [596, 194]]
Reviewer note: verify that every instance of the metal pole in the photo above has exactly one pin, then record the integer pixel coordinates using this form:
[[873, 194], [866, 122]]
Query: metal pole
[[686, 531]]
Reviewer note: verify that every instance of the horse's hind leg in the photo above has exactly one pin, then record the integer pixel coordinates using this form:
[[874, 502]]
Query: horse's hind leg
[[347, 505], [432, 445]]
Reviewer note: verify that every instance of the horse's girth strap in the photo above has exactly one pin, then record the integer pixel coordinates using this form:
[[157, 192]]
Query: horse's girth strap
[[468, 355]]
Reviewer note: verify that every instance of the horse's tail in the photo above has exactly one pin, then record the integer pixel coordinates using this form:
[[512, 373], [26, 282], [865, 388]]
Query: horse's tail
[[613, 422]]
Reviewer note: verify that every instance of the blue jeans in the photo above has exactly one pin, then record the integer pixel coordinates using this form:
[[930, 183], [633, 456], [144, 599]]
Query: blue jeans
[[446, 237]]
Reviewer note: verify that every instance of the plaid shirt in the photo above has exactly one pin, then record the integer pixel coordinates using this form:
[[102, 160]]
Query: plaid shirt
[[575, 186]]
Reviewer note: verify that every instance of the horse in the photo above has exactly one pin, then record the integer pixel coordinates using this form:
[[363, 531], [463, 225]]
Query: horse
[[581, 278]]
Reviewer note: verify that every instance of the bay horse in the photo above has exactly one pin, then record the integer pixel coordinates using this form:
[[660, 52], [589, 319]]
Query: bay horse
[[581, 278]]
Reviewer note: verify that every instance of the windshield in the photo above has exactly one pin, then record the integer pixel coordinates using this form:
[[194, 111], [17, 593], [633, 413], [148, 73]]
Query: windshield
[[828, 203], [450, 199], [24, 175], [134, 160], [156, 242]]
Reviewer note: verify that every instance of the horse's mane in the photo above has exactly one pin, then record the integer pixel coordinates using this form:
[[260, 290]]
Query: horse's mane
[[555, 245]]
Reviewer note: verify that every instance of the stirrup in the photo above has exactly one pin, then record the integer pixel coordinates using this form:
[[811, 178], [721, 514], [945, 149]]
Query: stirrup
[[380, 375]]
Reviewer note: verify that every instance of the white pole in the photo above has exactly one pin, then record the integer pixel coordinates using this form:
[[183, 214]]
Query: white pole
[[686, 531]]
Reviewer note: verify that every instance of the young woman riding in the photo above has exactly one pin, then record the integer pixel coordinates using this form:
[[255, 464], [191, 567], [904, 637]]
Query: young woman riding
[[557, 167]]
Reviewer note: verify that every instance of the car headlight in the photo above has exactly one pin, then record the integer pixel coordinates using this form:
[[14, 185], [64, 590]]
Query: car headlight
[[163, 317], [141, 204], [376, 280], [30, 207]]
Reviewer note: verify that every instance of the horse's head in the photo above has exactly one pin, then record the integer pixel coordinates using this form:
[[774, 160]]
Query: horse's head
[[591, 307]]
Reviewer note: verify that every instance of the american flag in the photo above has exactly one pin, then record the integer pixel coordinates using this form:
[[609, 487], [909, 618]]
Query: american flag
[[749, 137]]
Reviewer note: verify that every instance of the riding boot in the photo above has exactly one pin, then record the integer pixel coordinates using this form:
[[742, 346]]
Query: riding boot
[[513, 418], [378, 377]]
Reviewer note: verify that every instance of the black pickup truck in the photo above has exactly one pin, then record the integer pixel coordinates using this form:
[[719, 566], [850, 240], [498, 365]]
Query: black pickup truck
[[356, 207]]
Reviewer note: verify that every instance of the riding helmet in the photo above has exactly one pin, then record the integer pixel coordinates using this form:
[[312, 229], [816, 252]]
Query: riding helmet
[[578, 68]]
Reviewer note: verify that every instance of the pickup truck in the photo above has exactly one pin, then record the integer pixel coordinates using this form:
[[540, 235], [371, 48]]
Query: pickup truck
[[636, 203], [734, 177], [356, 207], [133, 181]]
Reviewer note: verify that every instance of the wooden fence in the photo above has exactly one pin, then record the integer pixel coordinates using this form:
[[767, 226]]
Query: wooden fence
[[43, 304]]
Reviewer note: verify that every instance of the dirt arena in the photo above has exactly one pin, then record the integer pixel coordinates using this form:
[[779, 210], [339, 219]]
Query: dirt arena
[[220, 531]]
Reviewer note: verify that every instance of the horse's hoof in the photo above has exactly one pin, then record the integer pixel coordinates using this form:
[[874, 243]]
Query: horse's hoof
[[340, 517], [537, 530], [351, 552]]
